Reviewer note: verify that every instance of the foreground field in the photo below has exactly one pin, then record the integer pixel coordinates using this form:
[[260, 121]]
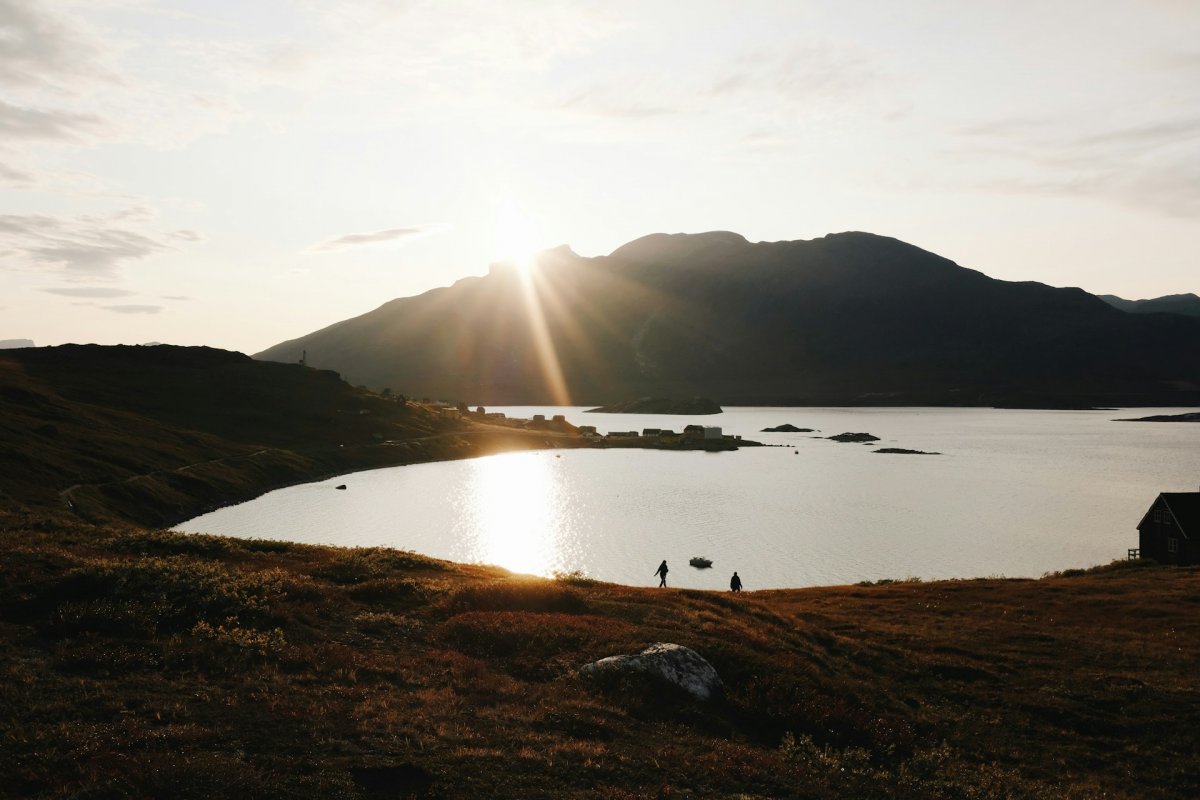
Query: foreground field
[[138, 663]]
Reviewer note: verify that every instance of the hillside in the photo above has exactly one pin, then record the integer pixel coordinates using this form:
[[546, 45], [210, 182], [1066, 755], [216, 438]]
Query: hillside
[[849, 318], [158, 434], [1186, 304], [136, 663]]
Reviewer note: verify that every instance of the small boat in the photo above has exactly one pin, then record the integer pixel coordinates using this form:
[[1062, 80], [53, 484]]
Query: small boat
[[700, 563]]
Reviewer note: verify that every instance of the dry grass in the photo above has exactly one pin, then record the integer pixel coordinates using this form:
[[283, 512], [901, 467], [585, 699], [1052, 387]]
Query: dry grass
[[144, 663]]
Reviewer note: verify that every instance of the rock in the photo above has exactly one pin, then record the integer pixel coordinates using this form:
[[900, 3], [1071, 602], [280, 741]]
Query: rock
[[785, 428], [854, 437], [905, 452], [673, 663], [340, 486]]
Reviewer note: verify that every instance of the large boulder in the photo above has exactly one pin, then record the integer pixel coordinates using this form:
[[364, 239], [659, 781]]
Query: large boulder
[[673, 663]]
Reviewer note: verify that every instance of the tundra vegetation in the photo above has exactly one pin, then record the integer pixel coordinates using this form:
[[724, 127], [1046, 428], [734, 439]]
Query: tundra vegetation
[[141, 662], [137, 662]]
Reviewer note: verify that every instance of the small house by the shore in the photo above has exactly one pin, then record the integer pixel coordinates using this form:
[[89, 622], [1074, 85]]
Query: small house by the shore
[[1169, 533]]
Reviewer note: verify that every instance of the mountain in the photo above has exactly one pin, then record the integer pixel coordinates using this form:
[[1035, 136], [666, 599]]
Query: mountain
[[849, 318], [12, 344], [1187, 304]]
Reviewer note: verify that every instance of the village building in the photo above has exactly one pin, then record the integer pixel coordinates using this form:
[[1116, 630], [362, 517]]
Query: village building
[[1169, 533], [712, 432]]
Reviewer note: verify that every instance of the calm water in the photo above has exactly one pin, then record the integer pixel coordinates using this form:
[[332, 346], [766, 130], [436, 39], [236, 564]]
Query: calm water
[[1014, 493]]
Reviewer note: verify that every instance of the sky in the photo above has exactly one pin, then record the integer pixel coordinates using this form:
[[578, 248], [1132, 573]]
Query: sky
[[236, 173]]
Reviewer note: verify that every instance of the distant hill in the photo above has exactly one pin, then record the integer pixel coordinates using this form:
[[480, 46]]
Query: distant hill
[[1186, 304], [11, 344], [159, 434], [849, 318]]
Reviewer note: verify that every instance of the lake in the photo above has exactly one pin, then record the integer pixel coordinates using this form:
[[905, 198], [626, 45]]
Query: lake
[[1014, 493]]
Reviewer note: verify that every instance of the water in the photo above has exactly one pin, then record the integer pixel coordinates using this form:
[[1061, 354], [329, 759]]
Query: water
[[1014, 493]]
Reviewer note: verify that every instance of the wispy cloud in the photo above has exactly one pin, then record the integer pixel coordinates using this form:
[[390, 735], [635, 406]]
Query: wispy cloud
[[88, 291], [133, 308], [390, 235], [77, 248], [1152, 165], [44, 49], [17, 122]]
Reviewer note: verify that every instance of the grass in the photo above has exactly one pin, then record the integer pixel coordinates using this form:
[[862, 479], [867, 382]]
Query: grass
[[137, 662], [147, 663]]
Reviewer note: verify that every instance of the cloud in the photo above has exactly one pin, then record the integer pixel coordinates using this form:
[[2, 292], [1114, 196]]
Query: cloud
[[176, 297], [391, 235], [77, 248], [88, 291], [42, 49], [17, 122], [133, 309], [15, 177], [1153, 165]]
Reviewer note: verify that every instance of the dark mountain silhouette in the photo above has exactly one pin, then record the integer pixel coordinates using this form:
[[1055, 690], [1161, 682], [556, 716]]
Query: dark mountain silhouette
[[849, 318], [1187, 304]]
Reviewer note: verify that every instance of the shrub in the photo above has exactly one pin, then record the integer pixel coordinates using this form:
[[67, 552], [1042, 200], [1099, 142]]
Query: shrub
[[169, 543], [177, 591], [518, 596], [535, 635], [363, 564]]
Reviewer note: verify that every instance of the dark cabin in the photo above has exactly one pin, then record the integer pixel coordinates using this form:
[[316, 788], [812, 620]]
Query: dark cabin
[[1170, 531]]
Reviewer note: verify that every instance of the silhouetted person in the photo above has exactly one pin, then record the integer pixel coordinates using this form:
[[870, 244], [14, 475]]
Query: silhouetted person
[[735, 583], [661, 572]]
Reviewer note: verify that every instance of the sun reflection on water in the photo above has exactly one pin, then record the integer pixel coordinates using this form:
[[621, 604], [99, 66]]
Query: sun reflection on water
[[515, 514]]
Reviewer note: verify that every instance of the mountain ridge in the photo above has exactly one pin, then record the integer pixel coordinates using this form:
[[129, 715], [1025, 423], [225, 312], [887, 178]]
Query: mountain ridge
[[850, 318]]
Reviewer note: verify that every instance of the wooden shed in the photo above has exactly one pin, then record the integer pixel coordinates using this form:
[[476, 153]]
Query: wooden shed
[[1169, 533]]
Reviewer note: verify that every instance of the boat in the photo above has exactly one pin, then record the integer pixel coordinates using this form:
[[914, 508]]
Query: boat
[[700, 562]]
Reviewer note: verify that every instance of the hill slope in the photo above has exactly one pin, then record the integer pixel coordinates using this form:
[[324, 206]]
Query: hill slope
[[159, 434], [136, 663], [1186, 304], [848, 318]]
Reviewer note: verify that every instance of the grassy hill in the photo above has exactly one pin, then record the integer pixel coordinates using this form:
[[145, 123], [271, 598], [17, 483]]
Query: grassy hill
[[136, 662], [159, 434]]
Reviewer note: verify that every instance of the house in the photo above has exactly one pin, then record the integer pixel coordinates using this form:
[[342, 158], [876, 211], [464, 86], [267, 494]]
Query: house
[[587, 430], [1169, 533], [712, 432], [651, 431]]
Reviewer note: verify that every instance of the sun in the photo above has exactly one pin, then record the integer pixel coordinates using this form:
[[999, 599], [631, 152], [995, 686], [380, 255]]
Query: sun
[[517, 236]]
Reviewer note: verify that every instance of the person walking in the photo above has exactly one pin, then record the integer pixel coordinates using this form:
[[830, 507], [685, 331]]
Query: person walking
[[661, 572], [735, 583]]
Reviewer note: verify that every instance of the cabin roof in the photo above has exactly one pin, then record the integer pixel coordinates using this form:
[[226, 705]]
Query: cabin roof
[[1185, 507]]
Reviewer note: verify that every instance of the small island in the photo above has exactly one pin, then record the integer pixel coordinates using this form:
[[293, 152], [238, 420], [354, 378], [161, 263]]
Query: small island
[[786, 428], [660, 405], [858, 438], [1191, 416], [905, 451]]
